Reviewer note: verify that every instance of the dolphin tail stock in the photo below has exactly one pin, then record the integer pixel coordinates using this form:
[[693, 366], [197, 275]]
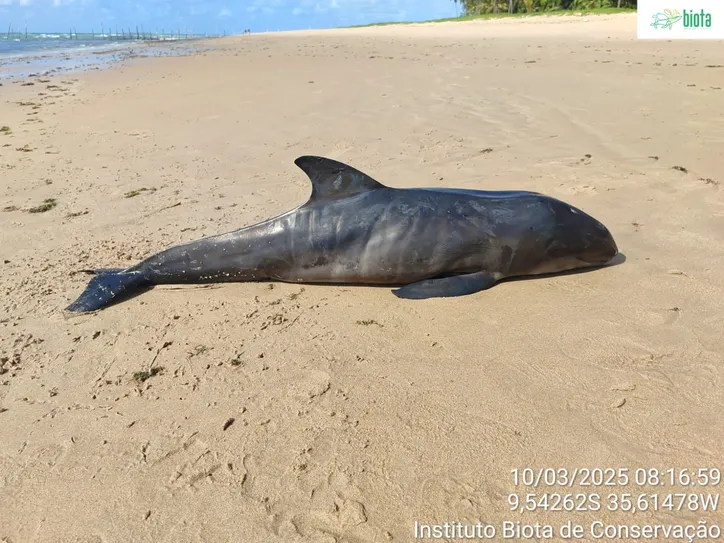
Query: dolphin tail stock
[[108, 285]]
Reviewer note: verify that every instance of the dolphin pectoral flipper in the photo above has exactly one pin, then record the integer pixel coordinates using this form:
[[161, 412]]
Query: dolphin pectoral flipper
[[447, 287], [105, 287]]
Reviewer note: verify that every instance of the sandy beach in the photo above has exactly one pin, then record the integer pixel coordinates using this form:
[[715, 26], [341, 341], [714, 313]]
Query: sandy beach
[[284, 413]]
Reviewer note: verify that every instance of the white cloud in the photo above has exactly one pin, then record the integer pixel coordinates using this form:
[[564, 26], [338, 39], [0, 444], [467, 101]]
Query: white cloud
[[269, 6], [203, 12], [346, 7], [350, 8]]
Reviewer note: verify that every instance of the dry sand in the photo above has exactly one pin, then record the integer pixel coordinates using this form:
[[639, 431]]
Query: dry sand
[[356, 414]]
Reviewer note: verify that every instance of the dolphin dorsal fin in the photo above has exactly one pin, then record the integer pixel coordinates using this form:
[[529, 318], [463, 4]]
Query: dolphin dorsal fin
[[331, 179]]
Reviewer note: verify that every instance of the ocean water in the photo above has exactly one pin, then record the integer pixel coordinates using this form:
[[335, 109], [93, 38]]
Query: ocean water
[[22, 45], [22, 55]]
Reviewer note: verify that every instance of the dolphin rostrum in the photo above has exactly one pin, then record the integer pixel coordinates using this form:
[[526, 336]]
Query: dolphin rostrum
[[354, 230]]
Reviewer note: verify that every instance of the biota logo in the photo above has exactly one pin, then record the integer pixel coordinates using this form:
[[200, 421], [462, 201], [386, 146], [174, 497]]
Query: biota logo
[[697, 20], [666, 19], [669, 17]]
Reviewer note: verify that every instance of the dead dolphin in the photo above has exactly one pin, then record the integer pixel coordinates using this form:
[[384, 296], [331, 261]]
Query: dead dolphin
[[354, 230]]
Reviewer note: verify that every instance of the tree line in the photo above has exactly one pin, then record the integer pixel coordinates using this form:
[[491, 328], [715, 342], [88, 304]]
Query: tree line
[[479, 7]]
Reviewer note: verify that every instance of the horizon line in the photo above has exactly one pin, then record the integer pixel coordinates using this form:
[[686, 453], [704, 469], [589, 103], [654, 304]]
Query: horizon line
[[461, 17]]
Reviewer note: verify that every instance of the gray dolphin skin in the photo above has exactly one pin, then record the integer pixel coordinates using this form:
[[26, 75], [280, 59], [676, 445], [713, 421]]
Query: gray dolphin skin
[[354, 230]]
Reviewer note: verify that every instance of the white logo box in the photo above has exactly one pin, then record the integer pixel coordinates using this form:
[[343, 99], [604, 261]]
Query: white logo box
[[680, 19]]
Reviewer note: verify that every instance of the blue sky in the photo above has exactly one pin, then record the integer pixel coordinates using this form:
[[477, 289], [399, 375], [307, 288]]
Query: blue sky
[[213, 16]]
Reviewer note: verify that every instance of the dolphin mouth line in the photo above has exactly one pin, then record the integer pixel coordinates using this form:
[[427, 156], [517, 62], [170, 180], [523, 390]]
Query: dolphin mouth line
[[599, 261]]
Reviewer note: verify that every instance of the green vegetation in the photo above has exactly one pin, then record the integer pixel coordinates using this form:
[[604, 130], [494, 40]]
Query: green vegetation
[[47, 205], [485, 7], [198, 350], [142, 376], [5, 130], [369, 322], [490, 9], [135, 193]]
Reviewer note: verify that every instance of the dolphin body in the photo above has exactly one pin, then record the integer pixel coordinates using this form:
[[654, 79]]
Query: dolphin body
[[355, 230]]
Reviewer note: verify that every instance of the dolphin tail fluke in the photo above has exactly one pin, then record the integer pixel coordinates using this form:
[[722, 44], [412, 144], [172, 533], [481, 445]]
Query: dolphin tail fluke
[[106, 287]]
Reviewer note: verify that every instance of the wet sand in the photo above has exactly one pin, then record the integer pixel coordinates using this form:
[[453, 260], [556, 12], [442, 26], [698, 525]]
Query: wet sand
[[276, 412], [51, 59]]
